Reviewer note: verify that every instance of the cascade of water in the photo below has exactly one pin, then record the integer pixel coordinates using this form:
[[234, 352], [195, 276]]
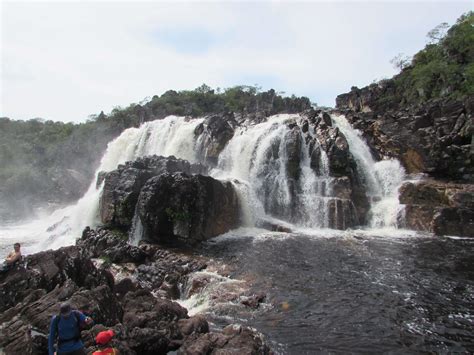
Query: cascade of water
[[258, 156], [381, 179], [170, 136], [269, 164]]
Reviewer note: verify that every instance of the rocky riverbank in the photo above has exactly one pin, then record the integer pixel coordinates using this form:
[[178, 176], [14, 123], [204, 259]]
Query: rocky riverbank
[[129, 289]]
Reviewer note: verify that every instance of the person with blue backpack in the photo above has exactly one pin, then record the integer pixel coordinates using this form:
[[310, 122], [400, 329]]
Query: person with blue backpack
[[65, 329]]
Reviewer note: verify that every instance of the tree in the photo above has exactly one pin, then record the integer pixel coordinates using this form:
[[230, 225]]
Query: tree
[[437, 33], [400, 61]]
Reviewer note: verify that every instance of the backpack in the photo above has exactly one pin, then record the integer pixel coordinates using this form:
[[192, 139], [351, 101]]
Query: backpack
[[77, 337]]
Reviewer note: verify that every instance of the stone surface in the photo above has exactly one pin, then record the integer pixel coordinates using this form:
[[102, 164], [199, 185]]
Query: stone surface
[[189, 209], [123, 185], [214, 134], [143, 322], [434, 138], [439, 207]]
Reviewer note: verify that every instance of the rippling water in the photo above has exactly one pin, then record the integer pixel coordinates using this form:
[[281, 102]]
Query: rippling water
[[355, 292]]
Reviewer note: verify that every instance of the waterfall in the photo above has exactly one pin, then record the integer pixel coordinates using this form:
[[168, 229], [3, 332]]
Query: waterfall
[[381, 179], [170, 136], [268, 163], [258, 156]]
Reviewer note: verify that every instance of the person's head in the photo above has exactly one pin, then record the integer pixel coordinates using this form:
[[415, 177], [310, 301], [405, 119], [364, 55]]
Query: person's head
[[104, 337], [16, 246], [65, 309]]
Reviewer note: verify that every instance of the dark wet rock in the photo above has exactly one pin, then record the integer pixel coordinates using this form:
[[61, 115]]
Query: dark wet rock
[[189, 209], [214, 133], [234, 339], [254, 300], [342, 214], [433, 138], [122, 287], [454, 221], [169, 267], [111, 245], [143, 322], [26, 325], [293, 148], [441, 208], [123, 185], [46, 270], [272, 226], [193, 325]]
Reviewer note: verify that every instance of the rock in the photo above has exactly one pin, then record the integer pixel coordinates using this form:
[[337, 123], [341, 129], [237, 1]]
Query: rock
[[292, 148], [46, 270], [123, 185], [189, 209], [419, 217], [342, 214], [214, 133], [439, 207], [143, 323], [433, 138], [234, 339], [453, 221], [422, 194], [254, 300], [193, 325], [110, 245]]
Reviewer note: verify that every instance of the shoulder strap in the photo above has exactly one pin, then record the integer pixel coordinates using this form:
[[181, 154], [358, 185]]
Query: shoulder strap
[[78, 320], [56, 320]]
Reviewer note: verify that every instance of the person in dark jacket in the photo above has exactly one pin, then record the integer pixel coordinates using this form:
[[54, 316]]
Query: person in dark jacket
[[65, 329]]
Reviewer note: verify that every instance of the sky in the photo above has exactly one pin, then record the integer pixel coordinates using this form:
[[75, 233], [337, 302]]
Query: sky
[[67, 60]]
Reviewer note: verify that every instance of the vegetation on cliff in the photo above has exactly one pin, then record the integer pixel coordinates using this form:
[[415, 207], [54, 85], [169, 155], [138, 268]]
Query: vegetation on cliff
[[443, 69]]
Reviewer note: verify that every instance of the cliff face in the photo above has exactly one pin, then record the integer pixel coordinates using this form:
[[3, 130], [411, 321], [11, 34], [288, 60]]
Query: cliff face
[[435, 138]]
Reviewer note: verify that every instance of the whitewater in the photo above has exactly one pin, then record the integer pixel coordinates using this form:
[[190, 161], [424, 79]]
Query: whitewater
[[245, 160], [376, 289]]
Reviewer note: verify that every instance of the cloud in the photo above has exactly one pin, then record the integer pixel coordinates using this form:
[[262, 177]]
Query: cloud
[[65, 61]]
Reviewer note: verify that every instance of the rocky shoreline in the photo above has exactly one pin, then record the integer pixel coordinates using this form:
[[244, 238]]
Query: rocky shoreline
[[126, 288]]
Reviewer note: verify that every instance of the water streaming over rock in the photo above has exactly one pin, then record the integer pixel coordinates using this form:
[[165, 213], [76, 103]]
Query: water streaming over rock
[[381, 179], [170, 136], [411, 294], [271, 165]]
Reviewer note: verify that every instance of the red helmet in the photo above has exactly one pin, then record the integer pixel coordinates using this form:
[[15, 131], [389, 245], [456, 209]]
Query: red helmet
[[104, 337]]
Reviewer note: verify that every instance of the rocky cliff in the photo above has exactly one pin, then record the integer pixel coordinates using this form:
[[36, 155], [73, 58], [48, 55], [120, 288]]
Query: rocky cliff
[[435, 139]]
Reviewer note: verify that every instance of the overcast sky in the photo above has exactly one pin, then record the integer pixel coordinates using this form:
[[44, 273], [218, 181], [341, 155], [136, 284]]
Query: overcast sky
[[67, 60]]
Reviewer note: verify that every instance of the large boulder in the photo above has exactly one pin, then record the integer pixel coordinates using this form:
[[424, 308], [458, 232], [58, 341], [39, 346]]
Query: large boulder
[[438, 207], [234, 340], [179, 207], [122, 186], [213, 135]]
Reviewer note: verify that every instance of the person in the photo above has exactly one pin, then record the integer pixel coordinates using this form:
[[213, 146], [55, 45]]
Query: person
[[12, 258], [103, 341], [65, 328]]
